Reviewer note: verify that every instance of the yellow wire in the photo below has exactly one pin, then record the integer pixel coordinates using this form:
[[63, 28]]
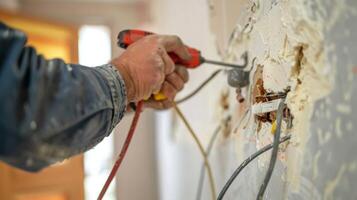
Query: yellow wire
[[204, 155]]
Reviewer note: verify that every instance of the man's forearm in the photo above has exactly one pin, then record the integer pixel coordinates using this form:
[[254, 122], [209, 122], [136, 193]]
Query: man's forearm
[[50, 110]]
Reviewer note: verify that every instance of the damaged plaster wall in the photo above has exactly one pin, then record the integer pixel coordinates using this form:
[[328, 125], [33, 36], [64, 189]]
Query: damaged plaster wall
[[307, 46], [288, 49], [298, 45]]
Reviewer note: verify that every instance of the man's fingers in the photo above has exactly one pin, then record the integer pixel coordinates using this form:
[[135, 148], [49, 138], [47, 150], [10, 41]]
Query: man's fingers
[[169, 63], [175, 80], [159, 105], [168, 90], [158, 84], [174, 44], [158, 59], [159, 77], [182, 72]]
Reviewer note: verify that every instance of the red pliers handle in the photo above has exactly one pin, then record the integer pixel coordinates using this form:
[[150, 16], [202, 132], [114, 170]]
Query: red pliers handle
[[128, 37]]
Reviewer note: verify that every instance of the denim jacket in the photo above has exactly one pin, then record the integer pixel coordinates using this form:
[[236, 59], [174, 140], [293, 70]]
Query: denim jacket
[[51, 110]]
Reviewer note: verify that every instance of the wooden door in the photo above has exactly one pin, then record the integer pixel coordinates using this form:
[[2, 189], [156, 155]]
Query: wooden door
[[63, 181]]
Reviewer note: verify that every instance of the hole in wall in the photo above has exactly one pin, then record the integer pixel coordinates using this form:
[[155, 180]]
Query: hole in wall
[[261, 95]]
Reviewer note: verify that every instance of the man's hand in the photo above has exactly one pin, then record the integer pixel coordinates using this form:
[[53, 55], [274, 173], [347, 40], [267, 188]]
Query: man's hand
[[146, 65], [174, 83]]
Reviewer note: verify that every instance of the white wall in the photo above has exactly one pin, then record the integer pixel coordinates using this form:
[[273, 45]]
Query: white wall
[[178, 156]]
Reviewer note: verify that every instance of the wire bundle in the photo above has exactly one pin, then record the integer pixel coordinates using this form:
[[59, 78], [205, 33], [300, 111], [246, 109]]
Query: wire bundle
[[245, 163], [274, 153], [274, 145]]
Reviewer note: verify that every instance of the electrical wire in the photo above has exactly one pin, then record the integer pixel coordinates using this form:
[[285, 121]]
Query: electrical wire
[[202, 171], [123, 150], [202, 85], [245, 163], [258, 153], [204, 155], [193, 93], [274, 153]]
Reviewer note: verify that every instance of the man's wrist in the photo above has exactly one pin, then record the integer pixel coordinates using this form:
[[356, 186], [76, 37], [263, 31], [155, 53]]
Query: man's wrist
[[130, 91]]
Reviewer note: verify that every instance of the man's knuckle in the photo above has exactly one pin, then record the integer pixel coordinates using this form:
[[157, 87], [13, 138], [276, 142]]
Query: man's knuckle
[[178, 40], [184, 74], [158, 62], [171, 68], [187, 77], [180, 85]]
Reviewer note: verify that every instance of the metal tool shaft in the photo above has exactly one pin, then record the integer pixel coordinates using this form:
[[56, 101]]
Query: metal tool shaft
[[224, 64]]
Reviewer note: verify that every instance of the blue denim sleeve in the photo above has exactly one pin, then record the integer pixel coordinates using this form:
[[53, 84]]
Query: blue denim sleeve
[[50, 110]]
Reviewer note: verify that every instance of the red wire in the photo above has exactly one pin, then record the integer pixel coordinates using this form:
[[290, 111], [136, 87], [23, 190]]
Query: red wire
[[123, 150]]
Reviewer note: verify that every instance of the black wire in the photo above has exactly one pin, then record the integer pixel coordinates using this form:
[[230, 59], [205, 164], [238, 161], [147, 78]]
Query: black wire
[[249, 159], [274, 153], [202, 172], [203, 84]]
